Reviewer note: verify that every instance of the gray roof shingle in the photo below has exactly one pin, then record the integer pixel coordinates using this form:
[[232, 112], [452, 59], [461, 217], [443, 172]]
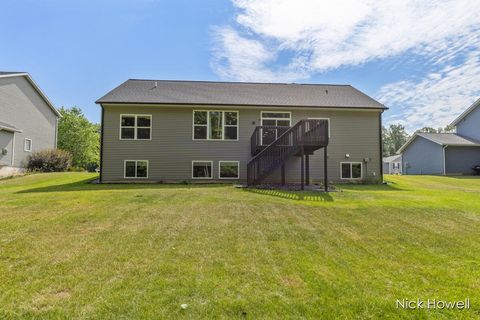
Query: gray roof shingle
[[396, 157], [239, 93], [450, 139]]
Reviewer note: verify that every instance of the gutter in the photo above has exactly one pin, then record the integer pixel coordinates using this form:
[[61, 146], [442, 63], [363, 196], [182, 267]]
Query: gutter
[[101, 144], [236, 105], [13, 150], [380, 140], [444, 166]]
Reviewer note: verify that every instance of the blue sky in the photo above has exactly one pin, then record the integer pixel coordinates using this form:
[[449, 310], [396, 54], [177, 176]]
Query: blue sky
[[420, 58]]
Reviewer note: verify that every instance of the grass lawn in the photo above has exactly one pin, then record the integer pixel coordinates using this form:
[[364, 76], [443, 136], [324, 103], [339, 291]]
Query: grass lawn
[[69, 249]]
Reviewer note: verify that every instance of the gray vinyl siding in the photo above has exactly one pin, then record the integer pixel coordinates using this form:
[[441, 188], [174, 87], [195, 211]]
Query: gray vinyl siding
[[355, 133], [386, 167], [172, 149], [22, 107], [460, 160], [423, 156], [6, 142], [470, 126]]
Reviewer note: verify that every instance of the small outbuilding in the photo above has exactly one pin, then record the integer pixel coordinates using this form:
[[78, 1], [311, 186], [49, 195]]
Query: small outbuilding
[[392, 164]]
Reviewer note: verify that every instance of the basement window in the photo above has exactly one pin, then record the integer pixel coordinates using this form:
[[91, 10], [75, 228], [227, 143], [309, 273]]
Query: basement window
[[136, 169], [202, 169], [351, 170], [228, 169]]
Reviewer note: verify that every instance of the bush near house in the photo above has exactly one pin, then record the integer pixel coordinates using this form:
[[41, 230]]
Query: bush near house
[[50, 160]]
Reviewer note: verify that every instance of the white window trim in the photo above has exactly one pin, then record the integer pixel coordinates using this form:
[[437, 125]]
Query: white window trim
[[328, 119], [269, 118], [25, 145], [125, 169], [208, 125], [229, 178], [202, 178], [353, 162], [135, 127]]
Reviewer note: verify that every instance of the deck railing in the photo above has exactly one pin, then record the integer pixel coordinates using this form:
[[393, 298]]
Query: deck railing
[[311, 134], [264, 135]]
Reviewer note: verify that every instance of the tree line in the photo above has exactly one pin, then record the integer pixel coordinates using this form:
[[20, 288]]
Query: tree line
[[80, 137]]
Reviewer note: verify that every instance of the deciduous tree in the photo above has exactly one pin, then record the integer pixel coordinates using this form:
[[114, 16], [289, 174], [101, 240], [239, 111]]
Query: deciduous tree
[[80, 137]]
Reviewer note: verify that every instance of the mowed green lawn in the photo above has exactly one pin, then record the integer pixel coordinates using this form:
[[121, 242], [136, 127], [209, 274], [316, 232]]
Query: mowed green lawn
[[69, 249]]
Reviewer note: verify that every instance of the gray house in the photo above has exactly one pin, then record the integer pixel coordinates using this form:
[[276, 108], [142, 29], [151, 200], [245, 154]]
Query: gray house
[[28, 121], [392, 164], [170, 131], [446, 153]]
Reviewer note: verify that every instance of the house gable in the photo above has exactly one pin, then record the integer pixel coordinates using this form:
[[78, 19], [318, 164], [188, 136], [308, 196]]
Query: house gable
[[25, 111], [469, 124], [422, 156]]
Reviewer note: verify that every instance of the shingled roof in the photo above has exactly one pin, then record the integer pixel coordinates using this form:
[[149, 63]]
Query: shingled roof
[[239, 94], [444, 139]]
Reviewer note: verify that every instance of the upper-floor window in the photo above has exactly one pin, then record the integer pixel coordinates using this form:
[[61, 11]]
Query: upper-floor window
[[27, 145], [277, 119], [215, 125], [135, 127]]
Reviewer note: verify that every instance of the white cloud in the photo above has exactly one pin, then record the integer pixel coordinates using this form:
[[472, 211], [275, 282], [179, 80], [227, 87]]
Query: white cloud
[[436, 99], [325, 35], [285, 40], [246, 59]]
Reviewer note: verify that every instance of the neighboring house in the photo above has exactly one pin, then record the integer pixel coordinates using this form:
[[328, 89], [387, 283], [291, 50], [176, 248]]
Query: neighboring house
[[468, 123], [170, 131], [28, 121], [446, 153], [392, 164]]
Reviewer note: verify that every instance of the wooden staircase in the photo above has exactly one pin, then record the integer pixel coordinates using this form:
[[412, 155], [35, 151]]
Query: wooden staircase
[[301, 140]]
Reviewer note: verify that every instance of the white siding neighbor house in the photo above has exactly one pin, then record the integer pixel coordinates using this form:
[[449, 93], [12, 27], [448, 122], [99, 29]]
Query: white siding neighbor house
[[28, 121]]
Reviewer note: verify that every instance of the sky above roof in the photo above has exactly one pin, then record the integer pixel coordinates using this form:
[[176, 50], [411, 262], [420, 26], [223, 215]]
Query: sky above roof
[[419, 58]]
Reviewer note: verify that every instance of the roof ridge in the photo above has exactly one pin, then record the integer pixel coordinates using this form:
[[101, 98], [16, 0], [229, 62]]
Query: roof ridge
[[245, 82], [439, 133]]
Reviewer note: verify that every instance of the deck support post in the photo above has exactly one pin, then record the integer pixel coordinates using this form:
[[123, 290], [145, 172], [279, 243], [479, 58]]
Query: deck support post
[[325, 169], [307, 170], [283, 174], [302, 168]]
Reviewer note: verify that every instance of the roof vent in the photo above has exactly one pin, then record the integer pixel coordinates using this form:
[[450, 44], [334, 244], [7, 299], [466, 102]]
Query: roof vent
[[156, 84], [326, 91]]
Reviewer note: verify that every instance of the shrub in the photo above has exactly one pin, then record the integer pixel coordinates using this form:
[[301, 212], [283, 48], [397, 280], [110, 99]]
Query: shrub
[[92, 167], [50, 160]]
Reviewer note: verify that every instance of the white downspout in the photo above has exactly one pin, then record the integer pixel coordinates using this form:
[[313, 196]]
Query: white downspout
[[444, 166], [13, 148], [56, 133]]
